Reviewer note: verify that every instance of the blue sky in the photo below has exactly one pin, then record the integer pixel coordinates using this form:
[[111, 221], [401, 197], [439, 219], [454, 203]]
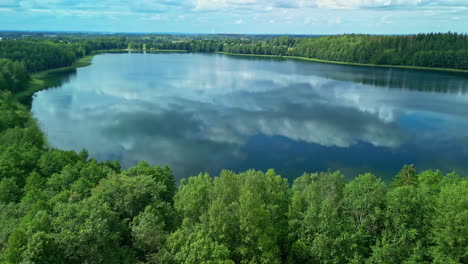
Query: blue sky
[[237, 16]]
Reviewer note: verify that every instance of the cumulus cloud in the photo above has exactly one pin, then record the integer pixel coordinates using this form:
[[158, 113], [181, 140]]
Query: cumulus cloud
[[345, 4], [233, 6], [201, 5], [323, 4]]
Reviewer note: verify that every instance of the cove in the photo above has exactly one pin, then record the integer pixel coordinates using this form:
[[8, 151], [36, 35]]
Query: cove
[[207, 112]]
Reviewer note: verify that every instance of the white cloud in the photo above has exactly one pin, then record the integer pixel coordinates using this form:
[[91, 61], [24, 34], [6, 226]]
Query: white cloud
[[349, 4], [386, 19], [266, 5], [327, 15], [153, 17], [233, 6], [334, 20], [220, 4], [311, 20]]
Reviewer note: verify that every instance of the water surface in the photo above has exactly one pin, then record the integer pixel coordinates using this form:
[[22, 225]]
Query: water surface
[[207, 112]]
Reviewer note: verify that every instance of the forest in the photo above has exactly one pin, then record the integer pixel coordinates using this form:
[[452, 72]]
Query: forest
[[434, 50], [442, 50], [66, 207]]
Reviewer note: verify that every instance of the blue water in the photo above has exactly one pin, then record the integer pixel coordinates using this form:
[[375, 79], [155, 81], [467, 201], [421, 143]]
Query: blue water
[[207, 112]]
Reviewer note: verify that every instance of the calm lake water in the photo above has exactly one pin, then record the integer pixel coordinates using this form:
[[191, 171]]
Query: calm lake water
[[207, 112]]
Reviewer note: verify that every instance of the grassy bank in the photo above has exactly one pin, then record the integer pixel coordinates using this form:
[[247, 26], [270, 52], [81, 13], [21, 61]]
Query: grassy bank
[[351, 63], [42, 80], [46, 79], [138, 50]]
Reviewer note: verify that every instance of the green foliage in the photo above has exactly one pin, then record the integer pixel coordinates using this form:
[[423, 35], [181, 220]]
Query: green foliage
[[405, 237], [364, 206], [90, 232], [9, 191], [450, 227], [65, 207], [245, 213], [10, 116], [149, 232], [315, 219], [17, 243], [161, 175], [129, 195], [190, 244], [42, 248], [55, 160], [89, 213], [444, 50], [406, 177], [14, 76], [440, 50], [18, 161], [193, 197], [38, 55], [10, 216]]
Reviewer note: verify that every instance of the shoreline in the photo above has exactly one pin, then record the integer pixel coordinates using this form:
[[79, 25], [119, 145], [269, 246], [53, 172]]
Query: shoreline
[[39, 79], [405, 67], [39, 82], [138, 50]]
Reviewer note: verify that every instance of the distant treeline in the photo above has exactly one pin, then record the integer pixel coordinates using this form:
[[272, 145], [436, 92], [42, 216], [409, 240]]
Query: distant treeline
[[441, 50], [37, 55], [20, 58]]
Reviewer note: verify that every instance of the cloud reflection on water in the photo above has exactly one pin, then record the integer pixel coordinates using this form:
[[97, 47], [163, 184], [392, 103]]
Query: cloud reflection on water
[[197, 112]]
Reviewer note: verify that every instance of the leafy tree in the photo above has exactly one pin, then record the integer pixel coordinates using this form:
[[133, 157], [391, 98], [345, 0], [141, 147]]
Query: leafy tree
[[9, 191], [90, 232], [364, 207], [190, 244], [193, 197], [55, 160], [42, 248], [128, 196], [407, 176], [162, 175], [450, 230], [257, 234], [10, 216], [316, 221], [149, 232], [405, 236], [18, 161]]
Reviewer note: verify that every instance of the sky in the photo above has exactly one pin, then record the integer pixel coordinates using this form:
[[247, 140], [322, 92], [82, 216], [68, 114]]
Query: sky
[[237, 16]]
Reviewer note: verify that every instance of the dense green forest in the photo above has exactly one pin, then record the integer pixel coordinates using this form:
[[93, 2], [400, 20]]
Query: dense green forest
[[426, 50], [65, 207], [436, 50]]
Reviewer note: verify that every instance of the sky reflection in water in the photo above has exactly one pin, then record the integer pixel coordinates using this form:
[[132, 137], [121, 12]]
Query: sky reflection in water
[[206, 112]]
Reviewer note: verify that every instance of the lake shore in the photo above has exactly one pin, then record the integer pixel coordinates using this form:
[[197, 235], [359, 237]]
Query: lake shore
[[39, 79], [350, 63]]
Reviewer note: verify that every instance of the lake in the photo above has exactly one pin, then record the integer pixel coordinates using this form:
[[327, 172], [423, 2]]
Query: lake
[[207, 112]]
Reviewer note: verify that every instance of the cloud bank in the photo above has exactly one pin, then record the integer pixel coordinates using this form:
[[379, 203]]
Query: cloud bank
[[237, 16]]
